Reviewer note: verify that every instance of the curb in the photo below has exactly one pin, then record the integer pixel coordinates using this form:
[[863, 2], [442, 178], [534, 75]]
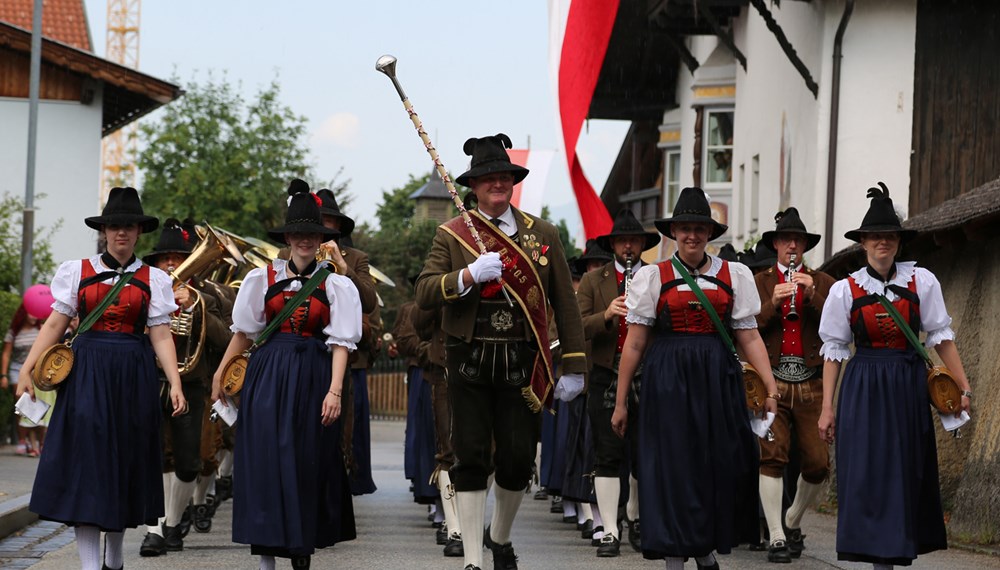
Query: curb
[[14, 515]]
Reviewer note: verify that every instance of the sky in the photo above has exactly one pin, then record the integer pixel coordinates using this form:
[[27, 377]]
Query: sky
[[470, 68]]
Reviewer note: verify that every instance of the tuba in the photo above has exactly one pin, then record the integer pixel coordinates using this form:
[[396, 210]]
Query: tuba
[[210, 251]]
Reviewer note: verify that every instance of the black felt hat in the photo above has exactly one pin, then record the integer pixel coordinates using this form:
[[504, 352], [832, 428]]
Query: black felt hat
[[303, 214], [692, 206], [123, 208], [489, 155], [728, 253], [329, 207], [626, 224], [789, 222], [881, 217], [758, 258], [173, 239], [592, 252]]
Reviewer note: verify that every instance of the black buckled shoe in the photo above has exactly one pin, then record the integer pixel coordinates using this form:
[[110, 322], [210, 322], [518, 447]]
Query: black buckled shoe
[[454, 546], [635, 535], [596, 541], [301, 562], [586, 529], [504, 557], [223, 488], [153, 545], [556, 506], [796, 542], [185, 525], [441, 535], [610, 547], [541, 494], [778, 553], [172, 538], [202, 516]]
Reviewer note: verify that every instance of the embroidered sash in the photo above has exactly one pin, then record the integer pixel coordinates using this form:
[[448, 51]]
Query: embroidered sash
[[524, 285]]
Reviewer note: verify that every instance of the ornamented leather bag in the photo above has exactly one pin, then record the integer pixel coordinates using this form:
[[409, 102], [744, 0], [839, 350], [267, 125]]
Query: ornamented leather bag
[[56, 361]]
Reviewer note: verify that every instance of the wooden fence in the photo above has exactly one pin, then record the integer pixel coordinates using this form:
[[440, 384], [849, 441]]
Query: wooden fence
[[387, 389]]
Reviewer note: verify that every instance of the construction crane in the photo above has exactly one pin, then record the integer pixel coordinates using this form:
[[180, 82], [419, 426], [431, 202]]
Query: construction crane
[[118, 149]]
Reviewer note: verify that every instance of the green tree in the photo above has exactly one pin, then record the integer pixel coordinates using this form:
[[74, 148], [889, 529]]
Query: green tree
[[213, 156], [11, 230]]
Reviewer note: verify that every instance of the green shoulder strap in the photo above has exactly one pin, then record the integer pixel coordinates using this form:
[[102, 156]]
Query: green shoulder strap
[[104, 304], [905, 327], [705, 303], [292, 304]]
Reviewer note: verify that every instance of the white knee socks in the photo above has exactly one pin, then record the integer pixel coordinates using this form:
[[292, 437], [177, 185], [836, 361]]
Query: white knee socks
[[225, 463], [200, 496], [266, 562], [113, 549], [177, 501], [771, 491], [507, 504], [448, 504], [471, 512], [88, 544], [584, 513], [608, 490], [632, 506], [806, 495]]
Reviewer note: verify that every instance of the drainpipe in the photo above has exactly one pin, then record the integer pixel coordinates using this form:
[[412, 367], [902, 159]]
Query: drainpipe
[[831, 171]]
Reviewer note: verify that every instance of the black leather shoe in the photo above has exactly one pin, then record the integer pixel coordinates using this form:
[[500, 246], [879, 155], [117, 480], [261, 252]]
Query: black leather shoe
[[596, 541], [796, 542], [223, 488], [504, 557], [586, 529], [301, 562], [106, 567], [634, 535], [778, 552], [541, 494], [185, 525], [570, 520], [172, 538], [556, 505], [712, 566], [441, 535], [471, 567], [152, 545], [610, 547], [454, 546], [202, 517]]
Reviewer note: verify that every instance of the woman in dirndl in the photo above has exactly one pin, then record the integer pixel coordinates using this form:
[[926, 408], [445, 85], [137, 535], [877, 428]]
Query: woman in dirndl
[[291, 494], [101, 466], [698, 476], [888, 498]]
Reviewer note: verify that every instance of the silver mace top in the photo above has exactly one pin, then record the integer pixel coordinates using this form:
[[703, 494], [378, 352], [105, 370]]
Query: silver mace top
[[387, 65]]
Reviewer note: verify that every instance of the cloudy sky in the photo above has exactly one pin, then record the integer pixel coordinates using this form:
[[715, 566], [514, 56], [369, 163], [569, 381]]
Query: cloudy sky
[[470, 68]]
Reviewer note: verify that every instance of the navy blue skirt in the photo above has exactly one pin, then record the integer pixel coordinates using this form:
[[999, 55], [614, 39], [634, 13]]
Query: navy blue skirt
[[578, 483], [361, 446], [290, 488], [548, 443], [557, 464], [698, 474], [410, 434], [102, 460], [889, 501], [424, 444]]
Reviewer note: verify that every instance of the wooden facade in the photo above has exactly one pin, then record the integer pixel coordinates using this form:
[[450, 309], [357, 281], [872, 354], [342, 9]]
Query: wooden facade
[[55, 83], [956, 100]]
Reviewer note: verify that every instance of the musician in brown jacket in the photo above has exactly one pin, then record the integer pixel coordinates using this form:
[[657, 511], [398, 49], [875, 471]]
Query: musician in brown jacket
[[793, 346], [602, 305], [498, 355]]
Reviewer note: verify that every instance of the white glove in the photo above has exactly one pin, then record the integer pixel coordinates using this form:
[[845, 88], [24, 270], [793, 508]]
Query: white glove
[[487, 267], [569, 387]]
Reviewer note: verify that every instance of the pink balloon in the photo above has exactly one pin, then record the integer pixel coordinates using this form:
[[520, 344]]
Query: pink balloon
[[38, 301]]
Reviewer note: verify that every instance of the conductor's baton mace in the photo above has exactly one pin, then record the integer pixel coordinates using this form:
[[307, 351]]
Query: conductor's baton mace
[[387, 65]]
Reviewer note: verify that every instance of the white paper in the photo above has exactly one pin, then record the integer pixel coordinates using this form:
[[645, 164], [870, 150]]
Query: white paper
[[33, 410], [227, 413], [951, 423], [760, 426]]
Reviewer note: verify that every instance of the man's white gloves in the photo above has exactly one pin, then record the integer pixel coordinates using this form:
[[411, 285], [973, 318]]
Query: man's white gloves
[[487, 267], [569, 387]]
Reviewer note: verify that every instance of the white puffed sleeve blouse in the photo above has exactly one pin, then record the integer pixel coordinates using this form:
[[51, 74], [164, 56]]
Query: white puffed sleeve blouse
[[345, 306], [644, 293], [835, 324], [66, 286]]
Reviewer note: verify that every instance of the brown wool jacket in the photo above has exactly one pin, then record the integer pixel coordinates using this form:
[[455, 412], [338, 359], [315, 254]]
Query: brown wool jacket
[[769, 321], [438, 286], [597, 289]]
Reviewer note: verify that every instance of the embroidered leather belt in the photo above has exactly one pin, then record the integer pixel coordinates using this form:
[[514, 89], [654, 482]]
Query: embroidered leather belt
[[793, 369], [497, 321]]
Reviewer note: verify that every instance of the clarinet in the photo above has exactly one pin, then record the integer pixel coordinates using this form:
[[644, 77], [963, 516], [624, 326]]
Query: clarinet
[[793, 315], [627, 279]]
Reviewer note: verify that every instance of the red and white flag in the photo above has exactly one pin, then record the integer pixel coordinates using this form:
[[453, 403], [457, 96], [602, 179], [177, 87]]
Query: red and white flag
[[529, 192], [579, 32]]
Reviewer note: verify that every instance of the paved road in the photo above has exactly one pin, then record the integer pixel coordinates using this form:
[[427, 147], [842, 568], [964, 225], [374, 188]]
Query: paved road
[[394, 533]]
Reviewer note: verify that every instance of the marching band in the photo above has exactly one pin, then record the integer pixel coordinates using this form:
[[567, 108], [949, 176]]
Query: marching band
[[643, 361]]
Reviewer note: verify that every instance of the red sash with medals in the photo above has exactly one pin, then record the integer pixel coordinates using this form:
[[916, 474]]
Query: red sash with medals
[[525, 288]]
